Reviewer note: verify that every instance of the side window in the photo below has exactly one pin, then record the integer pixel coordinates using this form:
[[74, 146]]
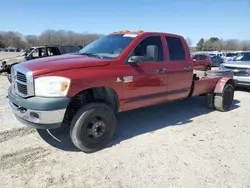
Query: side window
[[42, 52], [35, 53], [196, 57], [52, 51], [175, 49], [202, 57], [141, 49]]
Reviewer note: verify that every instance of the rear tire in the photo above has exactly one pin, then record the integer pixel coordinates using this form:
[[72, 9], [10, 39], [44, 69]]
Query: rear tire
[[209, 100], [223, 102], [92, 127]]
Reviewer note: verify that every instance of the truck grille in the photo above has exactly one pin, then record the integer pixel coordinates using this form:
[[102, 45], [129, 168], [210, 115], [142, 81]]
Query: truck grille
[[238, 68], [241, 73], [238, 71], [21, 77], [22, 81], [22, 88]]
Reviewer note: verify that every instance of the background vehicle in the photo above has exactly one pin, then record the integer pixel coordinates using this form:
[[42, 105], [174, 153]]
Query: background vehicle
[[216, 61], [202, 62], [118, 72], [230, 56], [240, 66], [37, 52]]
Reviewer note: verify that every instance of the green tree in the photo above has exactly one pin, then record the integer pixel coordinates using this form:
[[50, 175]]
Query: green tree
[[213, 39], [200, 44]]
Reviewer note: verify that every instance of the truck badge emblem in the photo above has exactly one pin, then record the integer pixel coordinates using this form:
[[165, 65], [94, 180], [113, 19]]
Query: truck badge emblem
[[128, 79], [118, 79]]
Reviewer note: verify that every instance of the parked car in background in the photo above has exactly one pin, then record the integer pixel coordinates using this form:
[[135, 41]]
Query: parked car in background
[[230, 56], [216, 61], [36, 53], [240, 67], [202, 62]]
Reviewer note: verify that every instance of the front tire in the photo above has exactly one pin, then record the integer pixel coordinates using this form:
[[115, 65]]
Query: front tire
[[92, 127]]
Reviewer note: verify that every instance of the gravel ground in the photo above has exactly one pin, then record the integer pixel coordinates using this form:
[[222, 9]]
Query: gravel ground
[[180, 144]]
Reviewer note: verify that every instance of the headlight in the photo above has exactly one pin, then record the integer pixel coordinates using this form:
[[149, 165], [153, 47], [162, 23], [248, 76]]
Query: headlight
[[52, 86]]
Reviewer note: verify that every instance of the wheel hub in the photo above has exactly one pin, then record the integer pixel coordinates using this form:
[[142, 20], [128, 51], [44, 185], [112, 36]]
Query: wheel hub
[[96, 128], [99, 128]]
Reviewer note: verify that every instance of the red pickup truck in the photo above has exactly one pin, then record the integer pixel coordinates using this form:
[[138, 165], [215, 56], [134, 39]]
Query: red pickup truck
[[118, 72]]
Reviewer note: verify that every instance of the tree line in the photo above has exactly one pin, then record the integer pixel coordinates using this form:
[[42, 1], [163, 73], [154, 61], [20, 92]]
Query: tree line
[[216, 44], [49, 37]]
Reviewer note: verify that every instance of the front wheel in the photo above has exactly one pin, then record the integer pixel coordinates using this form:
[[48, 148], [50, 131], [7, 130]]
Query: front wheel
[[92, 127]]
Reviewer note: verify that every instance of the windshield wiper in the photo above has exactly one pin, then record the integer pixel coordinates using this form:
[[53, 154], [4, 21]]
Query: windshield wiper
[[91, 54]]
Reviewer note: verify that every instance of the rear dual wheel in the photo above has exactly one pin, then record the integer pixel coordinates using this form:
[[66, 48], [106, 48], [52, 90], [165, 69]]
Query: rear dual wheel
[[223, 101], [92, 127]]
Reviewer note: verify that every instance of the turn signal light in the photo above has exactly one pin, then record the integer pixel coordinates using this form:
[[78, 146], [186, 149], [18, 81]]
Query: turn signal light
[[140, 31]]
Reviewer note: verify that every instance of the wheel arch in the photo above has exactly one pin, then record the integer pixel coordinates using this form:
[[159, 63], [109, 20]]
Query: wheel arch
[[221, 84]]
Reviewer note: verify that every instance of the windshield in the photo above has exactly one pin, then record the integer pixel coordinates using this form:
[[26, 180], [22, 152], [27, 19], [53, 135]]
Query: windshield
[[243, 57], [28, 51], [109, 46]]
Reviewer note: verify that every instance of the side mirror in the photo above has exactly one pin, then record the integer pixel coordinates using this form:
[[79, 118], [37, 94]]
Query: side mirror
[[194, 60], [152, 52], [137, 59]]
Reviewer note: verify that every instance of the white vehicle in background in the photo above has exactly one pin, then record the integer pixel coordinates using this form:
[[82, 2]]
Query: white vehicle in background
[[230, 56], [240, 66]]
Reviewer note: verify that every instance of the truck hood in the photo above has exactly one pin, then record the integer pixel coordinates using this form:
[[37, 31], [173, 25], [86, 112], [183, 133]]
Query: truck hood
[[62, 62], [240, 64]]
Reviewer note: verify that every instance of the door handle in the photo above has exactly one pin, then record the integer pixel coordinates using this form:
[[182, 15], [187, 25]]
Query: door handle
[[187, 68], [161, 70]]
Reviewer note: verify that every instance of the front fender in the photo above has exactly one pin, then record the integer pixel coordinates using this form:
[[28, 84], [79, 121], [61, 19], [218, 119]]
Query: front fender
[[222, 82]]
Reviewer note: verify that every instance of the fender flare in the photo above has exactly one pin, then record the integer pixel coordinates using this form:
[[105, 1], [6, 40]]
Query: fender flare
[[222, 82]]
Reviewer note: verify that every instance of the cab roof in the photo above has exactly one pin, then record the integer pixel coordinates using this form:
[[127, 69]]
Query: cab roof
[[140, 32]]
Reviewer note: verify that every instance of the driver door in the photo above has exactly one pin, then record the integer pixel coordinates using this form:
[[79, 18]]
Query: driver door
[[145, 82]]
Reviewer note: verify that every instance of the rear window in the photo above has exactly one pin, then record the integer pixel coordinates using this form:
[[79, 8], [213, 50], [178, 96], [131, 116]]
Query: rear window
[[175, 48], [203, 57]]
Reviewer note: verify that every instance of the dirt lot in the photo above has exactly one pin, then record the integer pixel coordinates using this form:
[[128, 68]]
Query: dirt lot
[[180, 144]]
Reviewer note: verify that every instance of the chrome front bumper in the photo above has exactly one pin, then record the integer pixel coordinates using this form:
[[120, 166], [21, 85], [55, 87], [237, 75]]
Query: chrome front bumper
[[39, 119], [38, 112]]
